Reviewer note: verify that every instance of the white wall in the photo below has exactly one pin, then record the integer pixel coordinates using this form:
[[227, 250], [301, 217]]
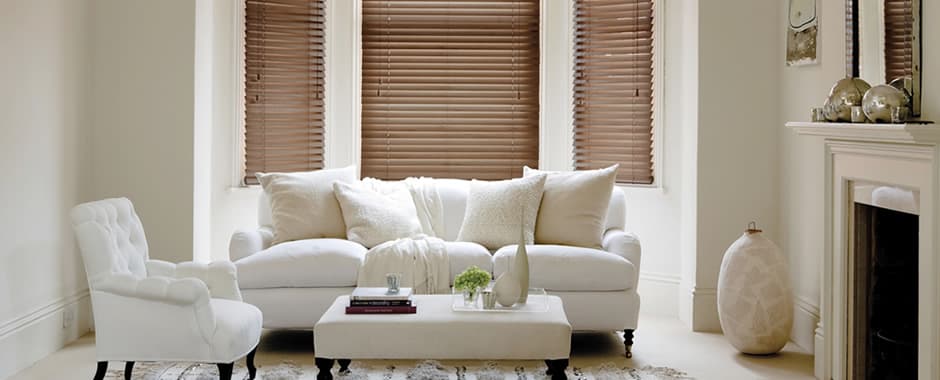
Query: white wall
[[801, 158], [45, 159], [144, 96]]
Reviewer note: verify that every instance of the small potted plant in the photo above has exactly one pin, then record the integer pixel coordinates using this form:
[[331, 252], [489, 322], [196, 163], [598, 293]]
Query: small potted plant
[[470, 282]]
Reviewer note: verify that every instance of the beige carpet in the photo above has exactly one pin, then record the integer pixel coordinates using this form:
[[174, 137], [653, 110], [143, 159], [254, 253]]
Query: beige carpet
[[404, 370]]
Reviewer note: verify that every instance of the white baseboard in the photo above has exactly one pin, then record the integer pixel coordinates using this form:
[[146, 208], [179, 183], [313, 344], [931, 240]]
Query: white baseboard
[[705, 310], [659, 293], [35, 335], [805, 320]]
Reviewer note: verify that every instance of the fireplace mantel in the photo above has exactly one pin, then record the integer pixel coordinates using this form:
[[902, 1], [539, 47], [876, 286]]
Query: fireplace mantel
[[926, 134], [903, 155]]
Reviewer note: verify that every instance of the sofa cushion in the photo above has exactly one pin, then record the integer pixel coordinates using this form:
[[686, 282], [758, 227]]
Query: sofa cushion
[[464, 254], [574, 206], [375, 213], [565, 268], [303, 205], [498, 210], [311, 263]]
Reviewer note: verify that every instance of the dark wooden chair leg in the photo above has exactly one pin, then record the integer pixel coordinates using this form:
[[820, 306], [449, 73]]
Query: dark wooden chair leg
[[250, 361], [324, 366], [556, 369], [343, 365], [225, 371], [101, 371], [628, 342], [128, 369]]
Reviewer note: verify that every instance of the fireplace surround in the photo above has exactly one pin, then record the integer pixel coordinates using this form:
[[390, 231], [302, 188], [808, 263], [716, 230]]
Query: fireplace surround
[[881, 253]]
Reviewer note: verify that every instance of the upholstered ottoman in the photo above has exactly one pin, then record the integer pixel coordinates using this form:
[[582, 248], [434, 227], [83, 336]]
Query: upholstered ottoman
[[438, 332]]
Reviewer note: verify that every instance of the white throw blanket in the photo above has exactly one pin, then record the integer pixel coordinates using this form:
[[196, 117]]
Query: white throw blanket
[[421, 260]]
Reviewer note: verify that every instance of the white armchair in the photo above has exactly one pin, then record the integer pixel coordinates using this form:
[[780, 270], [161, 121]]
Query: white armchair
[[151, 310]]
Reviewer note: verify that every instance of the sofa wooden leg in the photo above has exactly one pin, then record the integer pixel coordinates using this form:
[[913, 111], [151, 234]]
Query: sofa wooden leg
[[128, 370], [101, 371], [628, 342], [250, 362], [324, 366], [556, 369], [225, 371]]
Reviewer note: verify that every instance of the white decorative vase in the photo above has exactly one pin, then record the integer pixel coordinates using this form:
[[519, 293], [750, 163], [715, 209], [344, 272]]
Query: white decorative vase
[[520, 270], [506, 289], [755, 303]]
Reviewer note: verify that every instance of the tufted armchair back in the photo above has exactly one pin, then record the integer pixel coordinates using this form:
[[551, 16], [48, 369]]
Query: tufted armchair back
[[111, 239]]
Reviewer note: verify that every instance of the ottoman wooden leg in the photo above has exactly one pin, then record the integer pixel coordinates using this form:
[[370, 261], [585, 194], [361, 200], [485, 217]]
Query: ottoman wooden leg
[[343, 365], [325, 366], [628, 342], [556, 368], [250, 361]]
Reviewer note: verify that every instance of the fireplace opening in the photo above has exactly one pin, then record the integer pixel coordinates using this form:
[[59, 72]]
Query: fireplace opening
[[884, 311]]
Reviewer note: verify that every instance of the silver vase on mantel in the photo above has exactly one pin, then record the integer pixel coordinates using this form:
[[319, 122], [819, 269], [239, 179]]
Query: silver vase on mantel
[[844, 94], [883, 102]]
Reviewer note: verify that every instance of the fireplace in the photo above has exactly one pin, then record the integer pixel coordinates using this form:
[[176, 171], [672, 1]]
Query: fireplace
[[879, 314], [883, 282]]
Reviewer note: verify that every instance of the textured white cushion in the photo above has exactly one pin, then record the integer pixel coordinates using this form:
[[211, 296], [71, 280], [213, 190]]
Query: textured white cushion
[[463, 254], [303, 205], [377, 215], [494, 213], [574, 206], [565, 268], [302, 263]]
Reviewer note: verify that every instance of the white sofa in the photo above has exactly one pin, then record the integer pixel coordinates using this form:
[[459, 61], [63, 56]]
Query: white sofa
[[294, 283]]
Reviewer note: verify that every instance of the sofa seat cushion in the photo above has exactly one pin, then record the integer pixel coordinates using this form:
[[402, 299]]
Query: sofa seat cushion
[[462, 255], [566, 268], [310, 263]]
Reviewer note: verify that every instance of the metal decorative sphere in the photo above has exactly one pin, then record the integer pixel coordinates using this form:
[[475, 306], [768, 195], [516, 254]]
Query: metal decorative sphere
[[881, 101], [844, 94]]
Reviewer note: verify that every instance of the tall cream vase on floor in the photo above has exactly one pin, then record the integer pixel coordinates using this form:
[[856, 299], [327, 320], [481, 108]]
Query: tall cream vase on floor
[[755, 302]]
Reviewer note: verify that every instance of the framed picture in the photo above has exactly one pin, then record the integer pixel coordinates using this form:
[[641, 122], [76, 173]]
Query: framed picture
[[802, 33]]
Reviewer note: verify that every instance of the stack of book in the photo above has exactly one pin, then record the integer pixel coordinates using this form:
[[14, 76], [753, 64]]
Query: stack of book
[[381, 301]]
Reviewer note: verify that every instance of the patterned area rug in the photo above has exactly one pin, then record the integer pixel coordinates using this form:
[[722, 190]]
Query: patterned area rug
[[403, 370]]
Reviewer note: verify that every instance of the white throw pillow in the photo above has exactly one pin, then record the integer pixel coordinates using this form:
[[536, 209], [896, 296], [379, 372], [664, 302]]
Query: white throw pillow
[[574, 206], [377, 214], [303, 205], [494, 212]]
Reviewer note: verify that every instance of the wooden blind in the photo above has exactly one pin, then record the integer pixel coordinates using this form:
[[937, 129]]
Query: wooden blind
[[449, 88], [283, 86], [899, 38], [613, 87]]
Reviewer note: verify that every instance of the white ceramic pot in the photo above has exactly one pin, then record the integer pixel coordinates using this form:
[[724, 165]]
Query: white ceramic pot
[[755, 302]]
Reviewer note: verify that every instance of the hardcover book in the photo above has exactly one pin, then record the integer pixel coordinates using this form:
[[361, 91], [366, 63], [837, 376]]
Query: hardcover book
[[380, 294], [381, 309]]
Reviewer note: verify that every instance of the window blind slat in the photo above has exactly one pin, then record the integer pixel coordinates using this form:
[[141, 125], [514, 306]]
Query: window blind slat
[[613, 83], [284, 86], [449, 89]]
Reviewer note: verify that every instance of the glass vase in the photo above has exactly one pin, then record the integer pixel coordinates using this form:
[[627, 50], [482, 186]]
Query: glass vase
[[470, 296]]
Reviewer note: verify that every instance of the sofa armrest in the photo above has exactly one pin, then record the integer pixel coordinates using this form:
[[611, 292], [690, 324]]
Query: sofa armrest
[[247, 242], [218, 276], [120, 292], [624, 244]]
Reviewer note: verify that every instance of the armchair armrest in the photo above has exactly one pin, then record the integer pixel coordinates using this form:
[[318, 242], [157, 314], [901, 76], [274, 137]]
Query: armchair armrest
[[123, 295], [624, 244], [246, 242], [219, 277]]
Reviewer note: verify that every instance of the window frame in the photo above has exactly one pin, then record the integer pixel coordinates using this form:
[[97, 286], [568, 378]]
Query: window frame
[[551, 134]]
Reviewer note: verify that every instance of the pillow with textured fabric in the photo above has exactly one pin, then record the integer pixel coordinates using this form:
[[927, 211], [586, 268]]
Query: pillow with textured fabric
[[574, 206], [374, 215], [494, 213], [303, 205]]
